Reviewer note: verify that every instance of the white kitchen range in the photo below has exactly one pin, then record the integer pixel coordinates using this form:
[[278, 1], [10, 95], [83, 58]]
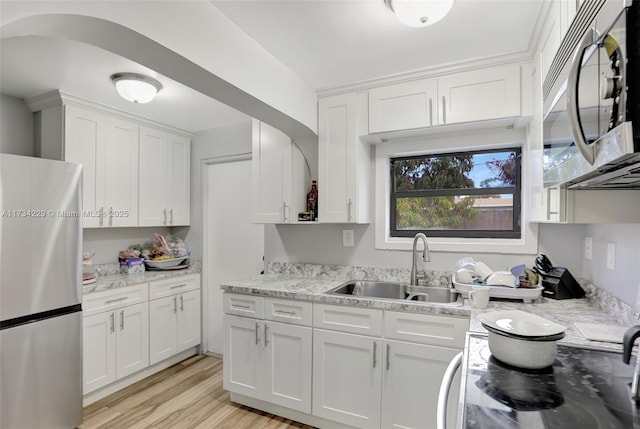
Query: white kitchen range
[[373, 214]]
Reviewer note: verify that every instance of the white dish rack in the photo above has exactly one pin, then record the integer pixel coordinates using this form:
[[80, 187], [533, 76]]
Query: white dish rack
[[528, 295]]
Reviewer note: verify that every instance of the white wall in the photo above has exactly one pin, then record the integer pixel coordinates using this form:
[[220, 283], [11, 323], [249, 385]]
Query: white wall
[[322, 244], [16, 127], [624, 281], [216, 143]]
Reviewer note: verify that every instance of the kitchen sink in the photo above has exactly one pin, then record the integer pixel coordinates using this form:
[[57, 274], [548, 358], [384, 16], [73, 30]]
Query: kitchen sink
[[397, 291]]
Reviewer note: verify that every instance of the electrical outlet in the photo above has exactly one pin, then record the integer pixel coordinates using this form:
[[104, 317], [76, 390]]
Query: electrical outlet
[[611, 256], [588, 247], [347, 238]]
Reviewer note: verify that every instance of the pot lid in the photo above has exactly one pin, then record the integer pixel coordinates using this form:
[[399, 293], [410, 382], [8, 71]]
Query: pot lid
[[520, 323]]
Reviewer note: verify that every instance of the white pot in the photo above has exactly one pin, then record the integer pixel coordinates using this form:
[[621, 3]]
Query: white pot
[[522, 352]]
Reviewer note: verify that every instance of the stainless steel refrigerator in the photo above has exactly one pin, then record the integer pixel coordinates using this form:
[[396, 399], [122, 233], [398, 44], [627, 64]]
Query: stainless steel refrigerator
[[40, 293]]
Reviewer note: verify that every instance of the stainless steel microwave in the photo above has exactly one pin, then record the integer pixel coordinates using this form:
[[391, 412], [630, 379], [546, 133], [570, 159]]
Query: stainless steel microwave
[[591, 125]]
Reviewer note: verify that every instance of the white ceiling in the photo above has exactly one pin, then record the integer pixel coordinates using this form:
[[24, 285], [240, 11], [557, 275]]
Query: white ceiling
[[327, 43]]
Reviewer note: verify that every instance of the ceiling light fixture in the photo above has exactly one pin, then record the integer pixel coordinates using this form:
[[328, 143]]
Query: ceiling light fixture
[[419, 13], [136, 88]]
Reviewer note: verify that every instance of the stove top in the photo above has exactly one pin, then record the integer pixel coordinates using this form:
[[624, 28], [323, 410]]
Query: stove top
[[583, 389]]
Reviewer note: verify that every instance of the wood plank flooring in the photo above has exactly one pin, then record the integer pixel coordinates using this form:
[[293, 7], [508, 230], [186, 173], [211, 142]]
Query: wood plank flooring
[[187, 395]]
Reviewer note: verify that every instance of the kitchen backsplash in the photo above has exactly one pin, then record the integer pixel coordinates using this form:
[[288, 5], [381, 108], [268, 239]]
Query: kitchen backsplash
[[597, 296]]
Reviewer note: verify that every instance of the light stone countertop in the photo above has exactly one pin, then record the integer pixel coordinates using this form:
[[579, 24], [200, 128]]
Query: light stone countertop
[[112, 281], [564, 312]]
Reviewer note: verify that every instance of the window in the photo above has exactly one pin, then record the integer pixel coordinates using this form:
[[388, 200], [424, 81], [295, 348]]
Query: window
[[464, 194]]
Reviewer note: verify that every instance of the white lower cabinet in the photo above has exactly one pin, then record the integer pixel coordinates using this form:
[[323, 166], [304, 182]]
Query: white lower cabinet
[[268, 360], [116, 344], [410, 384], [347, 378], [175, 324]]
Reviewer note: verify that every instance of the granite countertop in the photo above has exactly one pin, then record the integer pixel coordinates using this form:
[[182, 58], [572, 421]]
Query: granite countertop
[[564, 312], [104, 282]]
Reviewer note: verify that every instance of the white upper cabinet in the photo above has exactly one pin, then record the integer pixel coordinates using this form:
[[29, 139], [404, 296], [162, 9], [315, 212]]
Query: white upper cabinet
[[279, 176], [478, 95], [164, 198], [107, 147], [403, 106], [343, 159]]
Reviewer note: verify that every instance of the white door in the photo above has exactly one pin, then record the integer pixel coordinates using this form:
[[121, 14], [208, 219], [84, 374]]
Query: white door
[[347, 378], [287, 365], [235, 245], [189, 320], [411, 382], [99, 345], [163, 328], [132, 340]]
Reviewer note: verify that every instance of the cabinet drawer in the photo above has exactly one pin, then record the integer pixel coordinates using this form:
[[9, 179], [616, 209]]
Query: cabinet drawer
[[98, 302], [348, 319], [287, 311], [446, 331], [173, 286], [244, 305]]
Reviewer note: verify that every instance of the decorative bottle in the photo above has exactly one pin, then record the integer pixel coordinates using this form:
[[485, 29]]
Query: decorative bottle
[[312, 201]]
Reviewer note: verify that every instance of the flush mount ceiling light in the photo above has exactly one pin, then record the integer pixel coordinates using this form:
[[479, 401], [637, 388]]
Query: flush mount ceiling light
[[419, 13], [136, 88]]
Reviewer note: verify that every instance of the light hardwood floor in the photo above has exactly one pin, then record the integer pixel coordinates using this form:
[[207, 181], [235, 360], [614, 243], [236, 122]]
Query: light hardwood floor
[[185, 396]]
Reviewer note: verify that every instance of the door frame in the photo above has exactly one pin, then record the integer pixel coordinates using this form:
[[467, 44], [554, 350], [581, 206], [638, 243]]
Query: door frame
[[204, 187]]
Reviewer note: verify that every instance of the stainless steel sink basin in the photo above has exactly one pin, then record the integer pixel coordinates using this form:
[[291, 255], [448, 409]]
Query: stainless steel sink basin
[[397, 291]]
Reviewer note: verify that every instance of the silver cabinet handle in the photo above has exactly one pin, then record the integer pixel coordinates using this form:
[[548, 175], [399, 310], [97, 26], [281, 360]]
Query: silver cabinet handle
[[178, 286], [164, 213], [110, 216], [445, 387], [113, 322], [430, 112], [291, 313], [244, 307], [111, 301], [182, 303], [349, 204], [266, 338], [171, 217], [257, 334], [375, 347], [444, 110], [121, 320], [388, 356], [175, 304], [101, 216], [284, 211]]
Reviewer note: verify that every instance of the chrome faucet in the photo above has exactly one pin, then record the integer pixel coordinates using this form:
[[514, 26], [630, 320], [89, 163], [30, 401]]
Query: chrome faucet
[[426, 257]]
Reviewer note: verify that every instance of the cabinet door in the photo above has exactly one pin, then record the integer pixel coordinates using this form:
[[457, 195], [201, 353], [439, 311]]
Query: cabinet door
[[411, 384], [85, 144], [163, 328], [243, 351], [336, 137], [271, 165], [188, 320], [154, 184], [99, 346], [121, 173], [287, 366], [482, 94], [179, 160], [347, 372], [132, 339], [403, 106]]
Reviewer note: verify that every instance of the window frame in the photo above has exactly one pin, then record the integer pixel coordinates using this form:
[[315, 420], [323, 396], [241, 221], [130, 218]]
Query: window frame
[[439, 140], [516, 191]]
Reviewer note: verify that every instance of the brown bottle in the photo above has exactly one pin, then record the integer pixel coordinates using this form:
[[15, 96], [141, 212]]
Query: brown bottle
[[312, 201]]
